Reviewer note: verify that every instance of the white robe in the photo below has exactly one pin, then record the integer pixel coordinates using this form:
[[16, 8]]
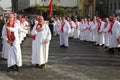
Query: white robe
[[14, 52], [22, 34], [82, 31], [94, 31], [63, 35], [72, 28], [5, 47], [38, 46], [100, 39], [114, 36], [56, 27], [88, 33], [77, 31], [106, 34]]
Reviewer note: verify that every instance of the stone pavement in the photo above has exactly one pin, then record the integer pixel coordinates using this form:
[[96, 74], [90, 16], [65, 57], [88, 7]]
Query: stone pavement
[[80, 61]]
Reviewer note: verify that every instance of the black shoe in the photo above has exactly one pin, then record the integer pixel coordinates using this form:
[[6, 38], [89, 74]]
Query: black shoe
[[43, 66], [111, 51], [37, 65], [16, 68], [61, 45], [66, 46], [10, 69], [4, 59]]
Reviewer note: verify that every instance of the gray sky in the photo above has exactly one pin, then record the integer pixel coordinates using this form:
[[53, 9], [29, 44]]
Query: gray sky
[[5, 3]]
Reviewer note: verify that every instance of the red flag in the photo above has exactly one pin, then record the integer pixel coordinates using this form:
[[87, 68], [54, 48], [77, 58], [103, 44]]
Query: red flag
[[50, 7]]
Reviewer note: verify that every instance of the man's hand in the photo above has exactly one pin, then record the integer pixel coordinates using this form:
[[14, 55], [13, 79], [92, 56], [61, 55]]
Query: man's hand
[[28, 28], [46, 41], [118, 40], [99, 33], [7, 28], [9, 41]]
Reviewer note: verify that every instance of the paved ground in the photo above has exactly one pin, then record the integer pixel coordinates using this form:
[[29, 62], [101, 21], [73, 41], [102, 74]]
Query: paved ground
[[80, 61]]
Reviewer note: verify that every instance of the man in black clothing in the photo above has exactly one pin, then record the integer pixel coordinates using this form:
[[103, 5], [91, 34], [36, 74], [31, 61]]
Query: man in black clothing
[[51, 25], [1, 26]]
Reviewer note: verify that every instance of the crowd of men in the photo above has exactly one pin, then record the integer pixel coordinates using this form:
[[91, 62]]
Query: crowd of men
[[13, 33], [97, 31]]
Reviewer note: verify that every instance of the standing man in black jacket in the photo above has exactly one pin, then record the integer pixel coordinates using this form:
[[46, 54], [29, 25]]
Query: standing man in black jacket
[[51, 25]]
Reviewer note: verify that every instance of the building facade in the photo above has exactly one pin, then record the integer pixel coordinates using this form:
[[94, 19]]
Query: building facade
[[66, 3], [18, 5], [86, 7], [100, 8], [114, 7], [106, 8], [6, 6]]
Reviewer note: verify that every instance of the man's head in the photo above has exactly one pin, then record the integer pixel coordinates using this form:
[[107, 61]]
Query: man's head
[[41, 19], [11, 17]]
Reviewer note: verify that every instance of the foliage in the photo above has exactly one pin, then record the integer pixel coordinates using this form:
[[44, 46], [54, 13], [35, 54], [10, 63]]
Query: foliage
[[57, 10]]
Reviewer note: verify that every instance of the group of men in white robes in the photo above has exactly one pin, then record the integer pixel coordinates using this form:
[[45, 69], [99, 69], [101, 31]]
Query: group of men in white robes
[[101, 33], [11, 42], [14, 32]]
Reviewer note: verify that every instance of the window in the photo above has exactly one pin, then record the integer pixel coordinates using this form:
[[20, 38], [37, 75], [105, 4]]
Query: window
[[43, 0]]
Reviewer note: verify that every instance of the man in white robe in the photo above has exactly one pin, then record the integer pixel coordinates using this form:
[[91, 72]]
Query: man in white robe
[[72, 26], [76, 29], [106, 28], [100, 39], [88, 31], [41, 36], [82, 30], [114, 35], [64, 33], [94, 30], [12, 37], [56, 27]]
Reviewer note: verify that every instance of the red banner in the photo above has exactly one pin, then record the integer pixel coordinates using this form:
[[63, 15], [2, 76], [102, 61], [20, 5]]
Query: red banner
[[50, 7], [90, 1]]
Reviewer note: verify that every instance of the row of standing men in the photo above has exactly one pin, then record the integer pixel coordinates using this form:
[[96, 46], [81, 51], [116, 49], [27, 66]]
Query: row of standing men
[[98, 31]]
